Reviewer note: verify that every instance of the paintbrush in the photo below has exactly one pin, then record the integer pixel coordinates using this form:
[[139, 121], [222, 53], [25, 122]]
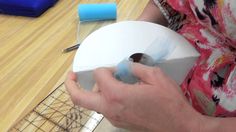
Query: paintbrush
[[74, 47]]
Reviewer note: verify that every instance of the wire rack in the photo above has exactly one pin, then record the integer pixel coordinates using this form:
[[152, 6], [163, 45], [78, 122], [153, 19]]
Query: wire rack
[[57, 113]]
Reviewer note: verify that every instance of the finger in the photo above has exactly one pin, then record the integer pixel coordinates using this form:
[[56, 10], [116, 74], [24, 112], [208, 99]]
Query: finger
[[71, 75], [105, 79], [118, 124], [89, 100], [127, 126], [95, 88], [147, 74]]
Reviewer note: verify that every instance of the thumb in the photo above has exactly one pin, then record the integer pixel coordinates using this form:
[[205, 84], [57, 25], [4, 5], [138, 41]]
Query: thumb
[[87, 99], [147, 74]]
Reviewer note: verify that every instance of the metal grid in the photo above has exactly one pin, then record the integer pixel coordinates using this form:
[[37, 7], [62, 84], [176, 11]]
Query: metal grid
[[57, 113]]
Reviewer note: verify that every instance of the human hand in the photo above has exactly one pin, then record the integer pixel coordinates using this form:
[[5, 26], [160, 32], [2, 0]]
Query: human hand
[[154, 104]]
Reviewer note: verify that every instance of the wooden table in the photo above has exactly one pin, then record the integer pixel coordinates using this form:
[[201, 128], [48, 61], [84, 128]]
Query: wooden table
[[31, 60]]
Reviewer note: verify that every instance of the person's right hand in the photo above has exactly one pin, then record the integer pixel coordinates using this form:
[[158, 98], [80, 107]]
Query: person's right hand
[[154, 104]]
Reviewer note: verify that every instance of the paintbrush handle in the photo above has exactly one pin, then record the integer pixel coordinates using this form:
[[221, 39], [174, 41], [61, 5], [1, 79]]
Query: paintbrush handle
[[74, 47]]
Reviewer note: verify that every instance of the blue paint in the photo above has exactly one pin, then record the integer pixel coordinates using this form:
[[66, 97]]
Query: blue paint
[[158, 51], [124, 72]]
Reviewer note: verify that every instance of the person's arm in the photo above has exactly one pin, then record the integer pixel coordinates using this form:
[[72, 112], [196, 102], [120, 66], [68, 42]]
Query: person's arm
[[153, 14]]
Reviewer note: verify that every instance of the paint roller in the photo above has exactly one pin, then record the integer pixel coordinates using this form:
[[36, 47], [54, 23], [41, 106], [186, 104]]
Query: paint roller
[[97, 12]]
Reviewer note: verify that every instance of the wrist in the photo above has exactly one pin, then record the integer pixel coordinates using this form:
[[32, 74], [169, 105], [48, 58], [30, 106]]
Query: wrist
[[189, 119], [214, 124], [183, 119], [203, 123]]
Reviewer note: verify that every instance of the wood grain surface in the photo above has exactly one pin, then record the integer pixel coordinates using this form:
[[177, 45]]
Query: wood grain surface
[[31, 60]]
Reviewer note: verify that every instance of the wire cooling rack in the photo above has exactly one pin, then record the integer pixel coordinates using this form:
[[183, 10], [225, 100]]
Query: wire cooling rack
[[57, 113]]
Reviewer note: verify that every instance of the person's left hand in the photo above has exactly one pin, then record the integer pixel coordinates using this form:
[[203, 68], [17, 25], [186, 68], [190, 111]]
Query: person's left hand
[[154, 104]]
